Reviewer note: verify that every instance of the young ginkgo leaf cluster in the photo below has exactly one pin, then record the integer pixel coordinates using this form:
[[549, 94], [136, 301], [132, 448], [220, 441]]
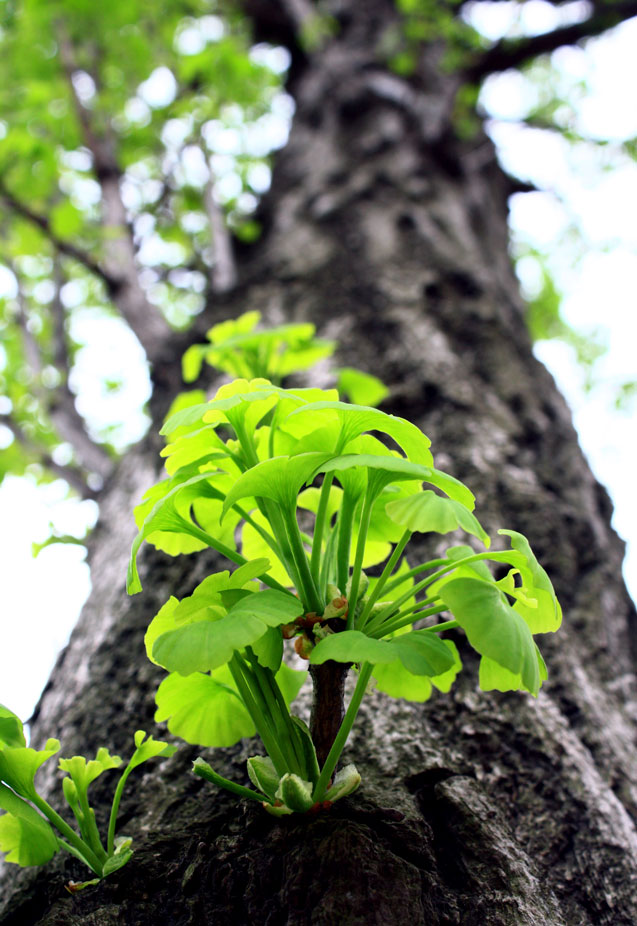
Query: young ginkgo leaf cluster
[[32, 832], [303, 493]]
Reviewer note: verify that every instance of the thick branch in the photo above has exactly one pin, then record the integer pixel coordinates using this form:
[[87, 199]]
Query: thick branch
[[512, 53], [64, 247], [120, 257]]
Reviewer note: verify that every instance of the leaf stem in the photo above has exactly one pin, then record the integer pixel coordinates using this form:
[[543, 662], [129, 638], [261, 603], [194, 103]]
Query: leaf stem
[[383, 578], [110, 845], [254, 704], [60, 824], [363, 528], [308, 590], [280, 723], [319, 525], [403, 619], [345, 520], [205, 771]]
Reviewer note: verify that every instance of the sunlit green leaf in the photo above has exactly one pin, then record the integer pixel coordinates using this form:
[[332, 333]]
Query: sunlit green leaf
[[19, 764], [202, 709], [361, 388], [280, 479], [82, 773], [427, 511], [147, 748], [11, 733], [208, 644], [493, 628], [546, 616], [25, 836], [356, 419]]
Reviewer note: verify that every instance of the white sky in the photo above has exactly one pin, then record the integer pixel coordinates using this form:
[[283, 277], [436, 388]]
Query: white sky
[[43, 596]]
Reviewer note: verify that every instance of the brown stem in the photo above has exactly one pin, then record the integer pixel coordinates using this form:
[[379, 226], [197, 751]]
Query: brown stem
[[328, 705]]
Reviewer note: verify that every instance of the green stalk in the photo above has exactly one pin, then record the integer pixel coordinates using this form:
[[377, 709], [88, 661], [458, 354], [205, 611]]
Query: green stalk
[[379, 620], [319, 525], [273, 514], [69, 834], [110, 845], [394, 605], [232, 555], [445, 625], [277, 719], [430, 564], [308, 590], [266, 535], [498, 556], [294, 732], [89, 828], [408, 616], [382, 579], [204, 771], [345, 521], [344, 730], [253, 702], [328, 562], [363, 528]]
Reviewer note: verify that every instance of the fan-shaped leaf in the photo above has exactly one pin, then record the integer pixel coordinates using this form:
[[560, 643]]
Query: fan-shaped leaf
[[24, 834], [493, 628], [426, 511]]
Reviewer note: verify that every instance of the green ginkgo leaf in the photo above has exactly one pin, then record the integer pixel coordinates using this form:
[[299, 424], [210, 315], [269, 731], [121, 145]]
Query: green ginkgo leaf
[[421, 652], [269, 649], [208, 644], [352, 646], [280, 479], [396, 681], [25, 836], [202, 447], [397, 469], [426, 511], [11, 732], [546, 615], [172, 513], [82, 773], [356, 419], [493, 628], [19, 764], [148, 748], [203, 710], [494, 677], [361, 388]]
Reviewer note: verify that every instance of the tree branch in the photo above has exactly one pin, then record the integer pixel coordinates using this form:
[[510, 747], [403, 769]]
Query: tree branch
[[512, 53], [59, 403], [69, 473], [120, 254], [64, 414], [64, 247]]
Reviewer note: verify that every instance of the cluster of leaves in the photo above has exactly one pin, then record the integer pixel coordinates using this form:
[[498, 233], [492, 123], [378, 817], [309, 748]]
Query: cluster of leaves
[[423, 21], [164, 97], [303, 492], [32, 832]]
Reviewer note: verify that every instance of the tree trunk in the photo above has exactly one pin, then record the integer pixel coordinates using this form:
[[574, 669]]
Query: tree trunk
[[388, 232]]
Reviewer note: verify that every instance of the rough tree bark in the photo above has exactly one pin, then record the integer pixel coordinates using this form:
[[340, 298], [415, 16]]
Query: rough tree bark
[[390, 234]]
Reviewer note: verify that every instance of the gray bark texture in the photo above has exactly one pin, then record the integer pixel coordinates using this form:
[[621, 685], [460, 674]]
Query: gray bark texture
[[389, 233]]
